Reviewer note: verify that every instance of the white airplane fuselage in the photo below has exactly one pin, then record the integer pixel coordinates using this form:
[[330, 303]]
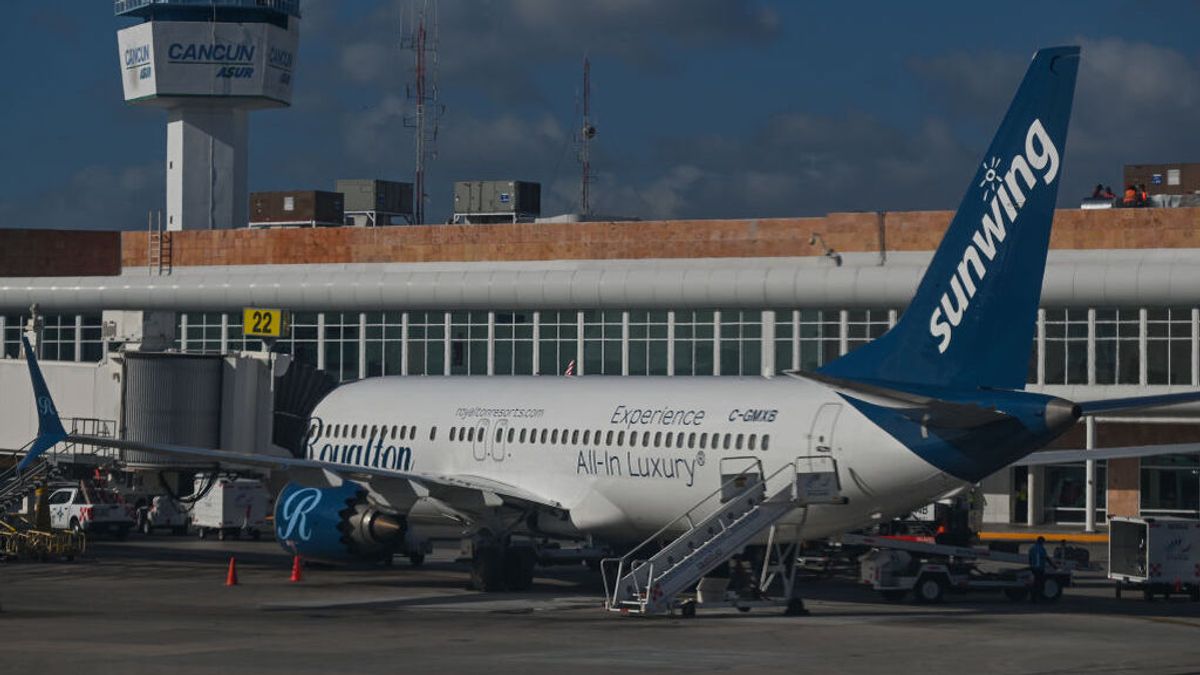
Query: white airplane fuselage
[[624, 456]]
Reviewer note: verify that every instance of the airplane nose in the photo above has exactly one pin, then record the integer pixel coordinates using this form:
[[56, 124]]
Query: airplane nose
[[1061, 413]]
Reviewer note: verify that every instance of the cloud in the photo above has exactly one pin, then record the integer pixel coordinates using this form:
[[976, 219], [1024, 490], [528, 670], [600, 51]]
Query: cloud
[[496, 46], [1134, 103], [94, 198]]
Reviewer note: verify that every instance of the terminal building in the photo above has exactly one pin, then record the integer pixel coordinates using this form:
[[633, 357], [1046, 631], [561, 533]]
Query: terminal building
[[1120, 313]]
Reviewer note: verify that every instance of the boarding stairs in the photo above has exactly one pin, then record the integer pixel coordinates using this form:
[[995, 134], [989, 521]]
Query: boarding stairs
[[15, 485], [745, 506]]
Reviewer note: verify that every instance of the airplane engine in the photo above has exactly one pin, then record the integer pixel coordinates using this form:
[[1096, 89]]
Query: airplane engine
[[336, 524]]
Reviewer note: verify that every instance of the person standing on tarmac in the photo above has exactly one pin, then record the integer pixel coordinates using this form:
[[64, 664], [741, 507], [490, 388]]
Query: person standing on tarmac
[[1038, 559]]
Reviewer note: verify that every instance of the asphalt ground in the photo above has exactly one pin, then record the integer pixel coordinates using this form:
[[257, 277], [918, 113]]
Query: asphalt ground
[[159, 605]]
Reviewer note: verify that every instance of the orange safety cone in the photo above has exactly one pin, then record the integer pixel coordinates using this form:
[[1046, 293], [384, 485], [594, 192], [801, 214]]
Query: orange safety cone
[[297, 567], [231, 576]]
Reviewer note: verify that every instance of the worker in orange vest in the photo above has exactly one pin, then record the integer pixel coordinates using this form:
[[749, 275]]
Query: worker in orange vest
[[1130, 196]]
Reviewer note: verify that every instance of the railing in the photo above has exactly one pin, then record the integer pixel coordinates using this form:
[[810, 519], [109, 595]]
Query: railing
[[290, 7], [730, 490]]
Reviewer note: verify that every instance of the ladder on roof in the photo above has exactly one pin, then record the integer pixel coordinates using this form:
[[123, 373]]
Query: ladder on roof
[[158, 246], [746, 505]]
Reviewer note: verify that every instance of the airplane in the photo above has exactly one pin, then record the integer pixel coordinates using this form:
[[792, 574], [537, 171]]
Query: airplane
[[936, 403]]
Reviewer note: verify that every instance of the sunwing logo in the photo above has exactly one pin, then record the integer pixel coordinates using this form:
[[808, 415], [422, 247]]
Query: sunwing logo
[[1007, 199]]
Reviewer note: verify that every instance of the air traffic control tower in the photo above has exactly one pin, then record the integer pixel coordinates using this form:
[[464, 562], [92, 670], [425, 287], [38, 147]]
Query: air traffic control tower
[[208, 63]]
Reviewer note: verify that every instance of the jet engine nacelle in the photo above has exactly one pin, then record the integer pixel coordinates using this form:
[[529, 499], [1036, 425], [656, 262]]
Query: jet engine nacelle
[[335, 524]]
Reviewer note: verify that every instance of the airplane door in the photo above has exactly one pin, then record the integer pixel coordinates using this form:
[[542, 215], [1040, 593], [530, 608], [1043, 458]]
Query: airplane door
[[820, 436]]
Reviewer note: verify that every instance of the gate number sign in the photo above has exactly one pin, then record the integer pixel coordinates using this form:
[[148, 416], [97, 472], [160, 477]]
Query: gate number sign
[[259, 322]]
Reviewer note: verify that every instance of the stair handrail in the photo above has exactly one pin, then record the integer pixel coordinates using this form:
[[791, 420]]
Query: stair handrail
[[633, 563]]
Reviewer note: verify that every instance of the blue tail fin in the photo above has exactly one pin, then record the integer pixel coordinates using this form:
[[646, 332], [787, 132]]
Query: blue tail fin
[[972, 319], [50, 428]]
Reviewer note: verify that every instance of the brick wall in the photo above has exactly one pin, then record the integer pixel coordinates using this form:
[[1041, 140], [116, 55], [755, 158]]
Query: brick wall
[[902, 231], [1124, 495], [58, 253]]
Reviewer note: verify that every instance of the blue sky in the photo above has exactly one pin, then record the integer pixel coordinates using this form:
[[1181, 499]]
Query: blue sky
[[705, 108]]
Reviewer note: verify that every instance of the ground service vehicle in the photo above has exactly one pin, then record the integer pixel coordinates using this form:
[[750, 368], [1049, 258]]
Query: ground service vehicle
[[90, 509], [1155, 555], [896, 568], [230, 508]]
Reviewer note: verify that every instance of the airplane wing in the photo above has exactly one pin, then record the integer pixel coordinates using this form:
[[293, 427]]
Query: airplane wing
[[441, 486], [1064, 456], [466, 494]]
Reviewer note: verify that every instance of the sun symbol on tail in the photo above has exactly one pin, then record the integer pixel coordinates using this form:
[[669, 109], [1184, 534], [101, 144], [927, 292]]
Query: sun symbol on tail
[[991, 178]]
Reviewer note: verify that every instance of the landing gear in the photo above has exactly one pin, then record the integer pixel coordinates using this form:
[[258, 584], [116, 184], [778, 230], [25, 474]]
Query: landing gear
[[497, 567]]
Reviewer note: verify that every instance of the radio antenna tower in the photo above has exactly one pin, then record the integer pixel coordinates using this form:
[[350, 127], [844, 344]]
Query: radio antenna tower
[[422, 91], [586, 133]]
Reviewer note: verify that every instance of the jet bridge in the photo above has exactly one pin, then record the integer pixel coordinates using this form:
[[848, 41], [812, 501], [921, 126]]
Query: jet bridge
[[655, 578]]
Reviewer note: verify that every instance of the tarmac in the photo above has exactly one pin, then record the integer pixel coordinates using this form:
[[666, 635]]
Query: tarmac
[[159, 605]]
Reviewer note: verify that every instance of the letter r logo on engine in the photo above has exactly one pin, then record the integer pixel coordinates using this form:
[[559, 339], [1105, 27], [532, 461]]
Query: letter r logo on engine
[[295, 512]]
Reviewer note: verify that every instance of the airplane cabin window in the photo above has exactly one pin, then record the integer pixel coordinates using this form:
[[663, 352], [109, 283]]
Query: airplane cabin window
[[646, 439], [668, 439], [753, 438], [728, 440], [544, 434], [511, 433], [766, 442], [565, 433], [471, 434], [740, 438], [703, 441], [554, 436], [692, 440], [499, 434], [353, 431], [679, 440], [452, 433], [633, 436], [575, 437], [394, 432], [412, 431], [658, 439], [432, 433], [608, 440], [522, 435], [587, 433]]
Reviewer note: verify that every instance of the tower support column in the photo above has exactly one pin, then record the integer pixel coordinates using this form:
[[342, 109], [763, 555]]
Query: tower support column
[[207, 167]]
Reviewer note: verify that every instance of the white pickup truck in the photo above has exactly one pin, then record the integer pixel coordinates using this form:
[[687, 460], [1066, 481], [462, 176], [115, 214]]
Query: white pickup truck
[[89, 509]]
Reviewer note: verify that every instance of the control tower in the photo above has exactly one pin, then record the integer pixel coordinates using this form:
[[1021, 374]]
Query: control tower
[[208, 63]]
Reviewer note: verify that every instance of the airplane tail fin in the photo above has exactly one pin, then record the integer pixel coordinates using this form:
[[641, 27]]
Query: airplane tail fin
[[972, 319], [50, 428]]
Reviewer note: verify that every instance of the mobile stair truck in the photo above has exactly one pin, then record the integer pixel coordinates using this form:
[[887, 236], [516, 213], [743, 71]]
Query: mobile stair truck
[[667, 572], [896, 567], [1155, 555]]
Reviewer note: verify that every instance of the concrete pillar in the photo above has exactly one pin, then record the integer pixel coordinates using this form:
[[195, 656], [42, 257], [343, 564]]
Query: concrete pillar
[[625, 343], [1033, 503], [491, 345], [321, 341], [537, 342], [207, 168], [404, 343], [767, 343], [717, 342], [362, 345], [1089, 518], [671, 342]]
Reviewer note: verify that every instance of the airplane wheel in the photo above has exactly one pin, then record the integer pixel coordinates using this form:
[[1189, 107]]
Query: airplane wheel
[[487, 569], [518, 568]]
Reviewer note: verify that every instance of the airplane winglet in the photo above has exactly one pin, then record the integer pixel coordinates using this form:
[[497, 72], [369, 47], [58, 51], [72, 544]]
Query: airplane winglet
[[50, 428]]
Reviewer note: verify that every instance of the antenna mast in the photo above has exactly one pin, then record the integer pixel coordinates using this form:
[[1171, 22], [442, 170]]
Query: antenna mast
[[586, 133], [423, 92]]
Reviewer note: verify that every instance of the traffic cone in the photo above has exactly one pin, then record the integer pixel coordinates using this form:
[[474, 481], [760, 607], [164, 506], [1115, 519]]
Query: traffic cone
[[231, 576], [297, 567]]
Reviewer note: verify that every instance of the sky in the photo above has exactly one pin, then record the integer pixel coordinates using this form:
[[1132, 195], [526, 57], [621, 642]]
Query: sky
[[704, 108]]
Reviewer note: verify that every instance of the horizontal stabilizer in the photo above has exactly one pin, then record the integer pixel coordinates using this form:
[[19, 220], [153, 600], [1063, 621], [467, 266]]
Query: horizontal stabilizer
[[929, 411], [1126, 452], [1137, 402]]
